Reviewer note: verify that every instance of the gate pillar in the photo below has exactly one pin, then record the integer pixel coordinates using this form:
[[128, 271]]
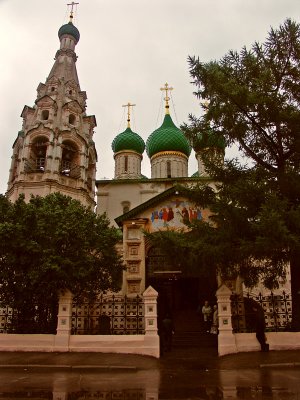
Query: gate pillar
[[64, 321], [226, 338], [150, 302]]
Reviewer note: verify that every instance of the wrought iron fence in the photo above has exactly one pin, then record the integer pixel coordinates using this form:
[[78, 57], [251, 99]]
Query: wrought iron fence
[[38, 320], [109, 315], [277, 309]]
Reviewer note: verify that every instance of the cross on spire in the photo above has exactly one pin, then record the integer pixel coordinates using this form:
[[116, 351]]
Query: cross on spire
[[72, 7], [167, 88], [128, 105]]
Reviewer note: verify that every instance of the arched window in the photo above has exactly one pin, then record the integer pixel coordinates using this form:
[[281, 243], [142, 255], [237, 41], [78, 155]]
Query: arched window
[[70, 160], [125, 163], [168, 169], [72, 119], [45, 115], [37, 159]]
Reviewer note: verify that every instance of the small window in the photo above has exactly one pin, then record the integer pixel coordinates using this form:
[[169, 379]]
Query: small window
[[72, 119], [53, 89], [45, 115], [126, 206], [169, 169], [126, 164], [70, 92]]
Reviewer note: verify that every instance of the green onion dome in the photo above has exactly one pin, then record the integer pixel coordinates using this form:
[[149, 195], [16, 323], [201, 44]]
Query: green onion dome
[[209, 139], [128, 140], [167, 138], [69, 29]]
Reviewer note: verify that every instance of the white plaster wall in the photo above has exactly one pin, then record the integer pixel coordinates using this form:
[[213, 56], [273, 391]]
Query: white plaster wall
[[244, 342], [18, 342], [179, 165], [112, 194], [126, 344], [134, 165]]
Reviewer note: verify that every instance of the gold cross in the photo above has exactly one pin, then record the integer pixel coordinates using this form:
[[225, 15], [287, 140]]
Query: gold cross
[[167, 88], [72, 6], [128, 112]]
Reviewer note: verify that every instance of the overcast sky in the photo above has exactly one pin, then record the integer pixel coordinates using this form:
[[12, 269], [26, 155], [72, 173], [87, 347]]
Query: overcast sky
[[127, 51]]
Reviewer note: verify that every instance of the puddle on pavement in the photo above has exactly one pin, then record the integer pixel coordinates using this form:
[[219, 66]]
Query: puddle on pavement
[[204, 393], [150, 384]]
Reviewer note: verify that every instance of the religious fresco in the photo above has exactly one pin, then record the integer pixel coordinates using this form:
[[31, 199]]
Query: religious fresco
[[174, 213]]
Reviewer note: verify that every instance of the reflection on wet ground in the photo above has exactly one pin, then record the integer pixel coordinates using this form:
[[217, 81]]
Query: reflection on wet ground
[[151, 385], [205, 393]]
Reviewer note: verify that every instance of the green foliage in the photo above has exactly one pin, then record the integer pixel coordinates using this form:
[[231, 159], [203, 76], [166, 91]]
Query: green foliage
[[52, 244], [252, 100]]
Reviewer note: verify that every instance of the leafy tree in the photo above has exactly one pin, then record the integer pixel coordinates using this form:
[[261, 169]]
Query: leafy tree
[[253, 99], [52, 244]]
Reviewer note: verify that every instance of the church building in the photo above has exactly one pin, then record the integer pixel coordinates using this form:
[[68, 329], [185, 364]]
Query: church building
[[136, 204], [55, 152]]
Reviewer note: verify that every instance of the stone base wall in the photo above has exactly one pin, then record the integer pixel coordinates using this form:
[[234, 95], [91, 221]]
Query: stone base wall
[[243, 342], [126, 344]]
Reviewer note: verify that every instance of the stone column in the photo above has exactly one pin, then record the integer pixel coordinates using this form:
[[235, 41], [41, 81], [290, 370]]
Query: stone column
[[226, 338], [64, 322]]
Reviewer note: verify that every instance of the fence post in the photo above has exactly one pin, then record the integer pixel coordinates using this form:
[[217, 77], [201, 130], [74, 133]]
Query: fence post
[[150, 302], [226, 338], [64, 321]]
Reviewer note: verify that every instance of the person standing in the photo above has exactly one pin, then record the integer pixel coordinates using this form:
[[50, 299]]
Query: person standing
[[260, 326], [167, 332], [215, 321], [206, 312]]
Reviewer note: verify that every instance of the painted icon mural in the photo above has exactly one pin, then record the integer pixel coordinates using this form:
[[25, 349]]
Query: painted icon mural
[[174, 213]]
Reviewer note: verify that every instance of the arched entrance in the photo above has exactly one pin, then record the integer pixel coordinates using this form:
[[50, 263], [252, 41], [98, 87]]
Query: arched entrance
[[179, 293]]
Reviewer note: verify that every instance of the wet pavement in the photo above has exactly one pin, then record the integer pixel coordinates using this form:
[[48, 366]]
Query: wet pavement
[[179, 358], [180, 374]]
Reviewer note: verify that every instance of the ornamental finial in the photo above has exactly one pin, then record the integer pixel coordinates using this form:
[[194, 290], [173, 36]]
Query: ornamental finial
[[167, 88], [128, 105]]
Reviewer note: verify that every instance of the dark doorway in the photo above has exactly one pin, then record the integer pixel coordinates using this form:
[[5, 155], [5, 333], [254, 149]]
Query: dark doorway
[[178, 294]]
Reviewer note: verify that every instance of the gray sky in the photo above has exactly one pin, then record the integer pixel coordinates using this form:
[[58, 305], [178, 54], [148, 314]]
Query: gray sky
[[127, 51]]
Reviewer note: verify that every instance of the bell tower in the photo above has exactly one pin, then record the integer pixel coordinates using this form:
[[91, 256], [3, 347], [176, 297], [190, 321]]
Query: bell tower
[[54, 151]]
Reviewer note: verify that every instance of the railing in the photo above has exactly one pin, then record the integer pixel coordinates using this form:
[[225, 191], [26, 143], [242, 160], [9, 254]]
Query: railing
[[277, 310], [38, 320], [109, 315], [35, 165], [70, 169]]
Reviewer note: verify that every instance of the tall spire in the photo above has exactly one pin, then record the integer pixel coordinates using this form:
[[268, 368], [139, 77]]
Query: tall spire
[[128, 105], [56, 143], [65, 58], [167, 88]]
